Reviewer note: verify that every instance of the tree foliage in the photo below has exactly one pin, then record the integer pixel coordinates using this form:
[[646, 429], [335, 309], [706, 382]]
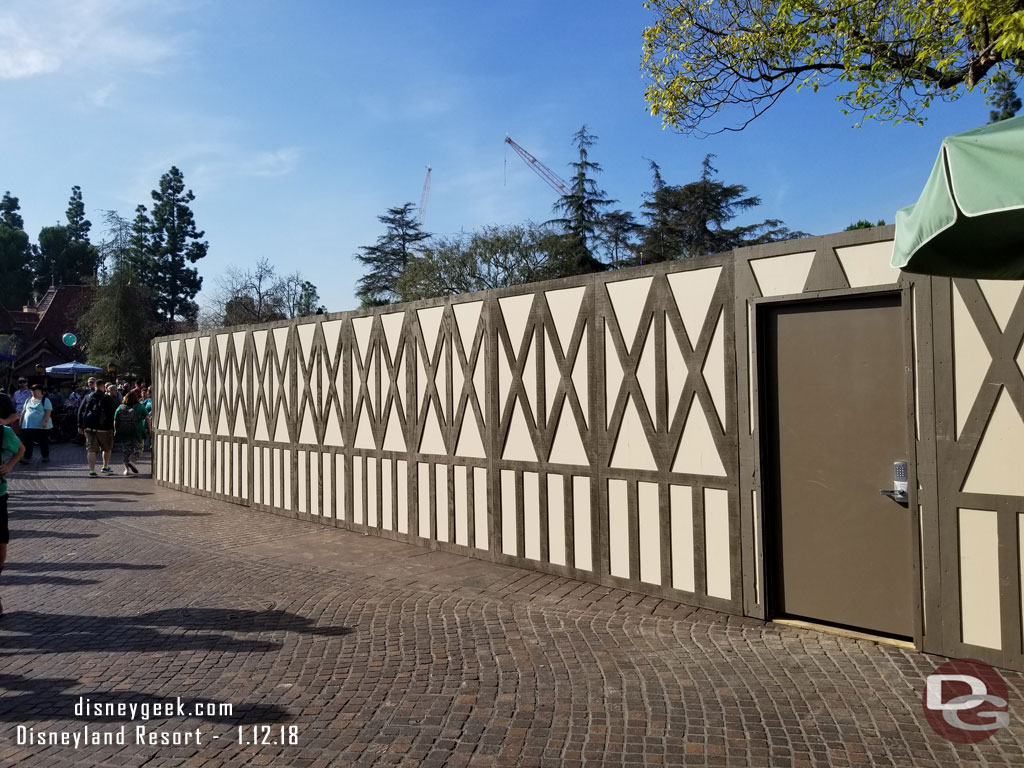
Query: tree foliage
[[386, 260], [619, 233], [260, 295], [1003, 97], [120, 323], [864, 224], [581, 208], [165, 240], [494, 257], [690, 220], [64, 254], [895, 57], [15, 256]]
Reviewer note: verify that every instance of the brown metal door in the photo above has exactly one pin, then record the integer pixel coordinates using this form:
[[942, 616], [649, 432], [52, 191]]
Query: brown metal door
[[836, 420]]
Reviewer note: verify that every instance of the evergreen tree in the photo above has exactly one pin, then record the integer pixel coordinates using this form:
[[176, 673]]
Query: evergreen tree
[[864, 224], [78, 225], [15, 256], [1003, 96], [618, 233], [387, 259], [64, 254], [581, 213], [689, 220], [165, 241]]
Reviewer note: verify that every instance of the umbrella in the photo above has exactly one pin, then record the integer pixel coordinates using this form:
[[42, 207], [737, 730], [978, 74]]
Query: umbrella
[[969, 220], [73, 369]]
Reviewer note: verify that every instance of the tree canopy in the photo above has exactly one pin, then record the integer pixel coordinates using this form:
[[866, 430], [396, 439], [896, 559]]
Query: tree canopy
[[64, 254], [895, 57], [690, 220], [164, 242], [15, 255], [494, 257], [261, 295], [581, 208], [387, 258]]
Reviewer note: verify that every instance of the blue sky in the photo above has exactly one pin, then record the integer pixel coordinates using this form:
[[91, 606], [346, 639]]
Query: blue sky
[[297, 123]]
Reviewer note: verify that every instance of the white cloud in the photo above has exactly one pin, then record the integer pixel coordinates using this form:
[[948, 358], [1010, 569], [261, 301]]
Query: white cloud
[[100, 96], [278, 162], [40, 37], [208, 166]]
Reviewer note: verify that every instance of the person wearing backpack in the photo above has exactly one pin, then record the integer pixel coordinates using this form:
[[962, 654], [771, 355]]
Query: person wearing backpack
[[131, 424], [96, 422]]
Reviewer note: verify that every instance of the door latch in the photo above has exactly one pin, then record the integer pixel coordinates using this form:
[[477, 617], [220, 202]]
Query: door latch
[[899, 492]]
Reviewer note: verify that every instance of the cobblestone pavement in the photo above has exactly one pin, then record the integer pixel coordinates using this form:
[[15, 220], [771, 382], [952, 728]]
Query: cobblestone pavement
[[372, 652]]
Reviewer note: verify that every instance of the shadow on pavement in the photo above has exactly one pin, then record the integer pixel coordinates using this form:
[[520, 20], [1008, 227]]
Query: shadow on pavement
[[43, 512], [46, 567], [30, 534], [188, 629], [49, 698]]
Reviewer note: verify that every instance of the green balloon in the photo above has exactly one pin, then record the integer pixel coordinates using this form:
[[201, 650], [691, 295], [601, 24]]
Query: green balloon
[[70, 339]]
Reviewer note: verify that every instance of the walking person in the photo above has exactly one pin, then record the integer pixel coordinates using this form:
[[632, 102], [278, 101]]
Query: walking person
[[21, 394], [96, 422], [11, 449], [131, 425], [146, 399], [8, 413], [36, 421]]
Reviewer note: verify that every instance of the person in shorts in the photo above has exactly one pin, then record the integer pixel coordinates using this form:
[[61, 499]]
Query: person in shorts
[[96, 422], [11, 451]]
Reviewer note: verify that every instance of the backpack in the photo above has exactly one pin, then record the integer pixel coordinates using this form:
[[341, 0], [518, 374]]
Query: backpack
[[92, 411], [126, 423]]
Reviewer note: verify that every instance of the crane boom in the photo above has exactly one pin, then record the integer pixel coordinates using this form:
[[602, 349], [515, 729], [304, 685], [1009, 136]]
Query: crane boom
[[539, 168], [424, 198]]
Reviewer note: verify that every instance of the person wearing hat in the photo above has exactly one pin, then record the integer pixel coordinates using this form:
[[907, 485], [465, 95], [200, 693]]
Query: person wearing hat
[[36, 422]]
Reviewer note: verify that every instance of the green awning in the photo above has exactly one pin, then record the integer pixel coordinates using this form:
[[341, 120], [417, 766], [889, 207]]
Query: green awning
[[969, 220]]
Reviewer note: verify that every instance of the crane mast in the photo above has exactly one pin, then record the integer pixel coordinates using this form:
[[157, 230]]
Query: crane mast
[[539, 168], [424, 198]]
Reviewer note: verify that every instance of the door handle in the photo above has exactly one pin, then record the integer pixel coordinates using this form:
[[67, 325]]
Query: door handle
[[899, 492]]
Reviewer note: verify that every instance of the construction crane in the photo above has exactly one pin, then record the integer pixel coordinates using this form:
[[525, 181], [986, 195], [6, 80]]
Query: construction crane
[[424, 198], [539, 168]]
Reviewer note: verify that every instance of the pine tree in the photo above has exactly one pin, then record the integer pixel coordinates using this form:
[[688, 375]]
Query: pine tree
[[78, 225], [581, 213], [618, 233], [689, 220], [164, 241], [1003, 96], [64, 254], [15, 256], [387, 259]]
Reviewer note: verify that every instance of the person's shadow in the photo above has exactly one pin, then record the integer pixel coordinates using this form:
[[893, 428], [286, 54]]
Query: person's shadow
[[167, 631]]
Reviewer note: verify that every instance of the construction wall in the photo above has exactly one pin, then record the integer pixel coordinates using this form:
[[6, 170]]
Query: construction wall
[[606, 427]]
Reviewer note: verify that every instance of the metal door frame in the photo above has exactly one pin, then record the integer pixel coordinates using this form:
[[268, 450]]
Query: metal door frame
[[767, 554]]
